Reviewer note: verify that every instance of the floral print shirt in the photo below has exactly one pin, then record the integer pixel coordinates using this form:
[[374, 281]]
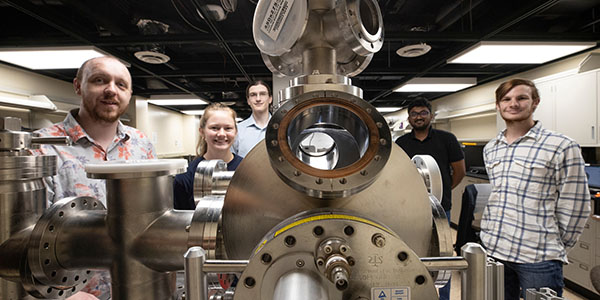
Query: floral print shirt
[[71, 180]]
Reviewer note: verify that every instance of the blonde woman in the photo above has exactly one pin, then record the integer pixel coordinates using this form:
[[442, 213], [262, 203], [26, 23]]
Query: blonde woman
[[217, 133]]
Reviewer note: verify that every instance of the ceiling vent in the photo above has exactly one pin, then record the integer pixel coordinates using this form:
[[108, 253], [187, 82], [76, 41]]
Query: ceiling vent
[[152, 57], [413, 50]]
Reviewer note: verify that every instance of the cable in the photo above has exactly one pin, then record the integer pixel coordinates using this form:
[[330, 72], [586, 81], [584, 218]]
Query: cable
[[185, 19]]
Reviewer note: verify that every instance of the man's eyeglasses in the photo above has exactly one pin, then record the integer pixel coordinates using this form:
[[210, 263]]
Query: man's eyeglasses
[[423, 113]]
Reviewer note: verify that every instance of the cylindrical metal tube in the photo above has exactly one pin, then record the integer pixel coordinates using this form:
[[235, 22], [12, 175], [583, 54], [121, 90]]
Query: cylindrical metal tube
[[170, 230], [132, 205], [195, 276], [225, 266], [52, 140], [22, 202], [474, 279], [455, 263], [84, 228], [319, 60], [300, 285]]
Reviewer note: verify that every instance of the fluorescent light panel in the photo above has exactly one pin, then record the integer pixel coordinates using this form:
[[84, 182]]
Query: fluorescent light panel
[[388, 109], [517, 52], [28, 102], [165, 102], [49, 58], [193, 112], [442, 84]]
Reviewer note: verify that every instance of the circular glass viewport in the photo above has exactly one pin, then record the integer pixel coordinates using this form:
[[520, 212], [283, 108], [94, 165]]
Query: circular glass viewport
[[328, 137]]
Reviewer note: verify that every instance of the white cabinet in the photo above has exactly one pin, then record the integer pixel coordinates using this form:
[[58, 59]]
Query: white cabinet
[[569, 105], [576, 107], [546, 110]]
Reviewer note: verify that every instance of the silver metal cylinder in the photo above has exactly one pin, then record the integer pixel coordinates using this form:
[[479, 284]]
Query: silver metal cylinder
[[170, 230], [225, 266], [455, 263], [137, 196], [22, 202], [132, 205], [300, 285], [474, 279], [211, 178], [84, 228], [196, 286]]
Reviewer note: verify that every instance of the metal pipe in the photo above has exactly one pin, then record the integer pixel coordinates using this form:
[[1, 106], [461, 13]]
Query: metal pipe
[[300, 285], [85, 228], [455, 263], [319, 60], [52, 140], [473, 284], [170, 230], [133, 204], [195, 277], [225, 266]]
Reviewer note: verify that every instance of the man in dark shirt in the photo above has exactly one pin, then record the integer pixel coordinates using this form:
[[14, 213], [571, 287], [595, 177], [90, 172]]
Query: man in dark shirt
[[442, 146]]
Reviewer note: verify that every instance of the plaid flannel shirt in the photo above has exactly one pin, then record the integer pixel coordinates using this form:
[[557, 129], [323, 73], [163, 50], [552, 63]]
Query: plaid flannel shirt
[[540, 199]]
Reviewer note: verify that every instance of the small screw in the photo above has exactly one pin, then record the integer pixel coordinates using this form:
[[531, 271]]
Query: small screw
[[320, 262], [187, 228], [378, 240], [327, 249], [299, 263], [343, 249]]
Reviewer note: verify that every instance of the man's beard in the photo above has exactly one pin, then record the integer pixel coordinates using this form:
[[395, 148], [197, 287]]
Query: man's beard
[[108, 116], [420, 127]]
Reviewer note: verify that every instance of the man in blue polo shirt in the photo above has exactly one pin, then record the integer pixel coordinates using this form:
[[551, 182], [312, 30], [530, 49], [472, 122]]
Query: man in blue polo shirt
[[252, 130], [442, 146]]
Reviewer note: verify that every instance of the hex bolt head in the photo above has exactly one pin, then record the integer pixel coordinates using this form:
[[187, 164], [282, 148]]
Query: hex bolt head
[[10, 123], [378, 240]]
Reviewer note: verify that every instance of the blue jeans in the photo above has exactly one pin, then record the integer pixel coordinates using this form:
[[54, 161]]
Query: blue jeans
[[520, 277], [445, 291]]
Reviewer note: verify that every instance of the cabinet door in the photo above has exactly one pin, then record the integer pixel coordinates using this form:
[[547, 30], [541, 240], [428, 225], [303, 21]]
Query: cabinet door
[[576, 108], [546, 111]]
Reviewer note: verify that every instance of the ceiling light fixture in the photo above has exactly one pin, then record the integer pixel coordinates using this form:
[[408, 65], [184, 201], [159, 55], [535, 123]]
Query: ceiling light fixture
[[517, 52], [29, 102], [178, 101], [414, 50], [437, 84], [193, 112], [387, 109], [49, 58]]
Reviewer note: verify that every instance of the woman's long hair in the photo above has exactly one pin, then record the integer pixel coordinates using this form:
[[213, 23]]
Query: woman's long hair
[[208, 111]]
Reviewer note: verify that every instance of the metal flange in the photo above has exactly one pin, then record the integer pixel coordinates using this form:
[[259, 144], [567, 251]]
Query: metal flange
[[50, 279], [362, 126]]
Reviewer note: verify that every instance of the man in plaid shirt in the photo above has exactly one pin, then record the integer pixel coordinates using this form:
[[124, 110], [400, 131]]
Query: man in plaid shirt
[[540, 199]]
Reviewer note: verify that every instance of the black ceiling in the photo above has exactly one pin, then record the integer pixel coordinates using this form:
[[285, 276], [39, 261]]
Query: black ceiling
[[215, 59]]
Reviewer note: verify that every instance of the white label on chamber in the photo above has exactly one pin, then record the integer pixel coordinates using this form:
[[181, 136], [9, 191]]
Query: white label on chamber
[[275, 17], [390, 293]]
